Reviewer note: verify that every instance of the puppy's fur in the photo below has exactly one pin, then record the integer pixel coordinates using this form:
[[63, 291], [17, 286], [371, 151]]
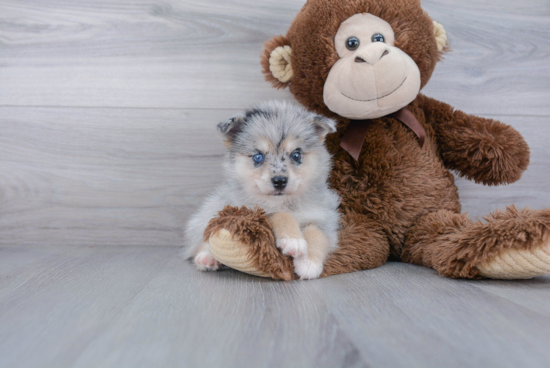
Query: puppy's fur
[[276, 161]]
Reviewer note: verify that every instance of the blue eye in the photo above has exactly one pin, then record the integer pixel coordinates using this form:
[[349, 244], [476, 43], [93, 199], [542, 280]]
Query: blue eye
[[296, 156], [352, 43], [258, 158], [378, 38]]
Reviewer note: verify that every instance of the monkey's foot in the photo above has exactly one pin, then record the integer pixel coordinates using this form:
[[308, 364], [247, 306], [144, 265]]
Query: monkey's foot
[[524, 239], [509, 244], [518, 263], [234, 254], [242, 239]]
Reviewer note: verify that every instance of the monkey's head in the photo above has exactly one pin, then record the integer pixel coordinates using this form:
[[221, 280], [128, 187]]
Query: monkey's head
[[360, 59]]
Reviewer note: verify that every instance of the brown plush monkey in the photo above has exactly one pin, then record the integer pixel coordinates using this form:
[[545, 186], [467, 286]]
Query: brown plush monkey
[[364, 63]]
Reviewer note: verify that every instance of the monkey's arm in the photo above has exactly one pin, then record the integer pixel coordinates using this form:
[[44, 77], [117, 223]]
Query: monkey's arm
[[483, 150]]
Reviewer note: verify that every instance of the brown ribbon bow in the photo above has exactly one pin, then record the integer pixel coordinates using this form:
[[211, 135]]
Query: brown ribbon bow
[[354, 137]]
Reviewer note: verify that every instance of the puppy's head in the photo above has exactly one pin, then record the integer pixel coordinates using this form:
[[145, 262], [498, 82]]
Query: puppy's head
[[276, 150]]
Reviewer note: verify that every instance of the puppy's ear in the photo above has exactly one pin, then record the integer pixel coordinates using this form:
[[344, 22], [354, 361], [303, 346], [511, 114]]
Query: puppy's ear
[[231, 128], [276, 63], [323, 126]]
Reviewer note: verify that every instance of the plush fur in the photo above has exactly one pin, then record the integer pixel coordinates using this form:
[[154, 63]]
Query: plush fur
[[251, 228], [270, 46], [399, 198], [311, 37]]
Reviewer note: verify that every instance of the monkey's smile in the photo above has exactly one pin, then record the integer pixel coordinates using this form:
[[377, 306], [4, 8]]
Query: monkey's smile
[[374, 99]]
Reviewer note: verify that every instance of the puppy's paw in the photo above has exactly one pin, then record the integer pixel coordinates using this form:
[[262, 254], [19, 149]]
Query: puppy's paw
[[205, 261], [307, 269], [292, 246]]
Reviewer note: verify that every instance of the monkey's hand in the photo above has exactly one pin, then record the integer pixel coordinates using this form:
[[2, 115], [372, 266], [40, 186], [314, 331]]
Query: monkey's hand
[[483, 150]]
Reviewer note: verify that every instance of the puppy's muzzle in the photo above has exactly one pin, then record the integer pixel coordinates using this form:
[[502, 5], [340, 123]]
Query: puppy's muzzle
[[279, 182]]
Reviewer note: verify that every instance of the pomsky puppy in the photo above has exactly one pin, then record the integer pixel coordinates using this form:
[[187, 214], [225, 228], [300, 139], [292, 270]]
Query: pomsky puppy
[[276, 161]]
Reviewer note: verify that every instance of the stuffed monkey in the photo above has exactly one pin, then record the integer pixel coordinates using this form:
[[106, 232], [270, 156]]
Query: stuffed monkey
[[364, 62]]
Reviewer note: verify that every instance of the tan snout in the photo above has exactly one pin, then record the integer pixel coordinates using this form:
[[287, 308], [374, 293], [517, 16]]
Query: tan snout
[[375, 80], [372, 72], [371, 53]]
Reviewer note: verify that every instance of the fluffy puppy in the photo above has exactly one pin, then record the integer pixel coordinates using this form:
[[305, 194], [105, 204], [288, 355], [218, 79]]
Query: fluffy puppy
[[276, 161]]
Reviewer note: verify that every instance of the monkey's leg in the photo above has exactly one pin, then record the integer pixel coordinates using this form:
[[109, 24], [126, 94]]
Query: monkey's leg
[[510, 244], [361, 245], [242, 239]]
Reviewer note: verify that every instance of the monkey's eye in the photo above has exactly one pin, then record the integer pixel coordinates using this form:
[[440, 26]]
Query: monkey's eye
[[352, 43], [377, 38], [258, 158], [296, 156]]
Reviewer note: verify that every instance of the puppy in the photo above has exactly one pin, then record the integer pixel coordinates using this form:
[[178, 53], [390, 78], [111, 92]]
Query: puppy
[[276, 161]]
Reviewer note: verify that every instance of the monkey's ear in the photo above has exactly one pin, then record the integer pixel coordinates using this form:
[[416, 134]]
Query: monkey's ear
[[275, 60], [324, 126], [231, 128], [440, 37]]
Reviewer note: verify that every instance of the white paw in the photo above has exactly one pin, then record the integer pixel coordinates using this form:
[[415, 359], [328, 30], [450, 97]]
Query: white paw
[[292, 247], [307, 269], [205, 262]]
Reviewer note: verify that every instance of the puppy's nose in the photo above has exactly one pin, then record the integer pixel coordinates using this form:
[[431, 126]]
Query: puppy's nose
[[279, 182]]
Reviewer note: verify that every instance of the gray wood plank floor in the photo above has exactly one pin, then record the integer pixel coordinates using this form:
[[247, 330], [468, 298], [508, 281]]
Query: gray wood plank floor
[[108, 143], [144, 306]]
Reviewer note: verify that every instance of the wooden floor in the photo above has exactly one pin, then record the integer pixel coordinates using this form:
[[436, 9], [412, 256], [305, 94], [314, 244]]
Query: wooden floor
[[108, 143]]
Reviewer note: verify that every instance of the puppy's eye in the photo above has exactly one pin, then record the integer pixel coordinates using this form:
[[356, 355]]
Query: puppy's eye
[[352, 43], [378, 38], [296, 156], [258, 158]]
